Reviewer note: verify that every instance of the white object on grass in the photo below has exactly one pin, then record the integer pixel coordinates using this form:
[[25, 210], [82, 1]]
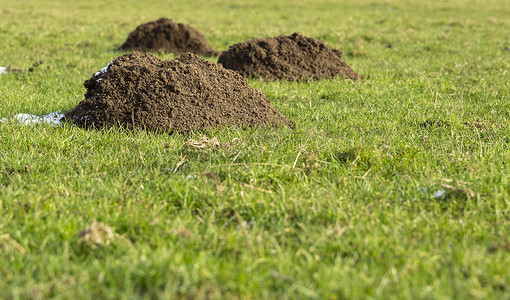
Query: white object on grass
[[439, 194], [28, 119], [102, 71], [3, 70]]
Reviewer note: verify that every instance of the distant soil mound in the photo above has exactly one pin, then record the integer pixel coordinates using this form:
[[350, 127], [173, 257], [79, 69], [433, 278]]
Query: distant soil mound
[[168, 36], [293, 57], [140, 91]]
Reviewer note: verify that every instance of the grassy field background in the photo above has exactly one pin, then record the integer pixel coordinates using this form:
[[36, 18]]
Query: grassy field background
[[397, 186]]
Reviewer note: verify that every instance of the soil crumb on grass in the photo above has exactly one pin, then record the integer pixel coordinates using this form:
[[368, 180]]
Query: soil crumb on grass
[[293, 57], [140, 91], [168, 36], [12, 69]]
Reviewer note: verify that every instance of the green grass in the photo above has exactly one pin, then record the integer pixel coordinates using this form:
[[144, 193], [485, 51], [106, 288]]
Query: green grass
[[341, 207]]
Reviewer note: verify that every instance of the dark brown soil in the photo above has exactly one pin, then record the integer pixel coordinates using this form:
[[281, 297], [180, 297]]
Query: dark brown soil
[[293, 57], [168, 36], [35, 66], [140, 91]]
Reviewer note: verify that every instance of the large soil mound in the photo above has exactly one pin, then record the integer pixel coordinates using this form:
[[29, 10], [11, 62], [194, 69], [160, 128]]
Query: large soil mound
[[168, 36], [291, 57], [140, 91]]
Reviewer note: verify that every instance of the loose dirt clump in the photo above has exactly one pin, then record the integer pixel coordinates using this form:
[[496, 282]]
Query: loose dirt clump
[[12, 69], [168, 36], [140, 91], [293, 57]]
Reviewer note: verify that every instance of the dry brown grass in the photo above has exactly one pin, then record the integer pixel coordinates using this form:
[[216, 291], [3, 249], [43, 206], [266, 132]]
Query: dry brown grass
[[203, 143], [97, 234]]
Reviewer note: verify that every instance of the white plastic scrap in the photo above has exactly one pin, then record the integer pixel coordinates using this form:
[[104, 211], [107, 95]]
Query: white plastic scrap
[[3, 70], [28, 119], [102, 71], [439, 194]]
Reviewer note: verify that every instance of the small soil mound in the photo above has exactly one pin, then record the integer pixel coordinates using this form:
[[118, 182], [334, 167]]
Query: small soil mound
[[140, 91], [293, 57], [168, 36]]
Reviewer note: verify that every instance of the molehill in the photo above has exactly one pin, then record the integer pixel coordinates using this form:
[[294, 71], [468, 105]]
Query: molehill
[[168, 36], [140, 91], [293, 57]]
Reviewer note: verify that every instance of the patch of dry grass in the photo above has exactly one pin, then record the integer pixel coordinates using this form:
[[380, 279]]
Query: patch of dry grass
[[97, 234]]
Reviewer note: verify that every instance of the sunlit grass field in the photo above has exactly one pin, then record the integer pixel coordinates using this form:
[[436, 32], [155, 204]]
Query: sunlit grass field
[[396, 186]]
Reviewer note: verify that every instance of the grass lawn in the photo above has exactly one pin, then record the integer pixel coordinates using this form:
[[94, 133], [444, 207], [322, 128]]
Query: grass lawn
[[396, 186]]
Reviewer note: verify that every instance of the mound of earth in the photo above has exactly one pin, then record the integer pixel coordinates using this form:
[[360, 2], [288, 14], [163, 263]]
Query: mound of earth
[[168, 36], [293, 57], [140, 91]]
